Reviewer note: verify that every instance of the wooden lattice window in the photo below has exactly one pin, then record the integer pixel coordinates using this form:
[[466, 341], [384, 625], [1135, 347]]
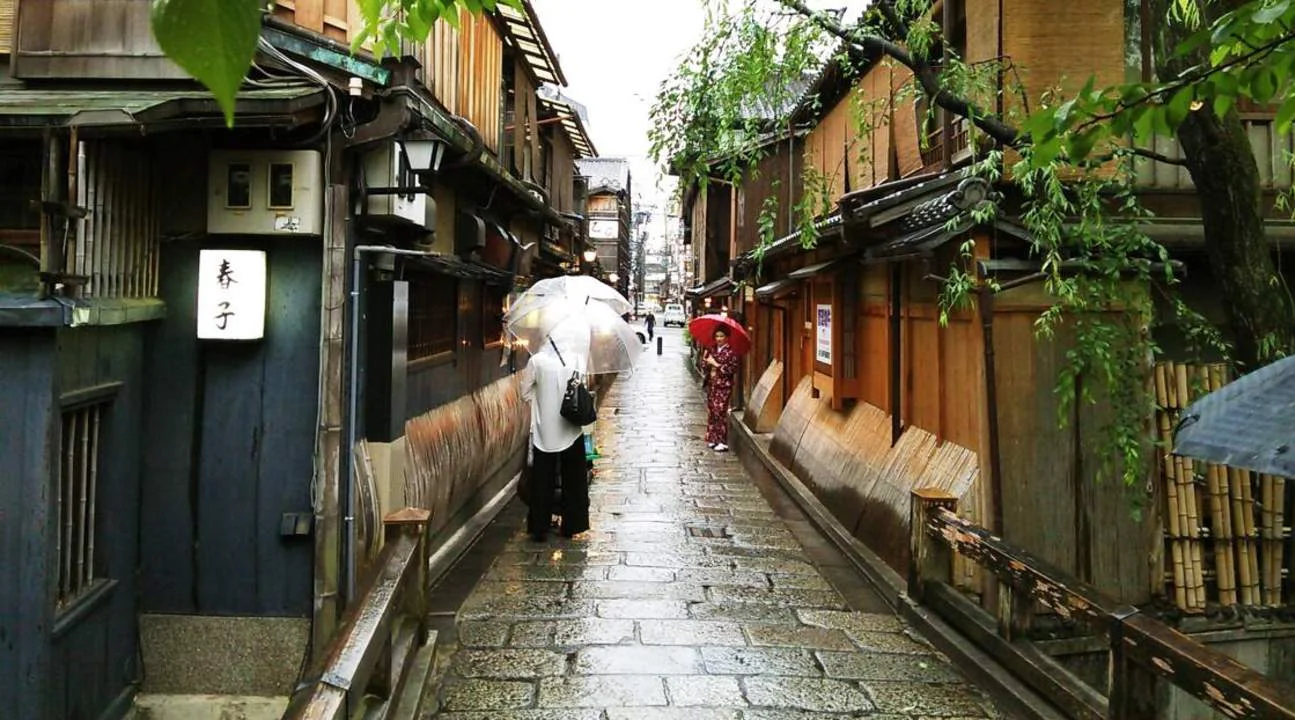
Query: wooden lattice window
[[78, 488], [433, 315]]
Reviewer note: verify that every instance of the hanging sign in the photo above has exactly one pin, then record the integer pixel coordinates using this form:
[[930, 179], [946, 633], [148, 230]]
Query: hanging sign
[[823, 334], [231, 294], [604, 229]]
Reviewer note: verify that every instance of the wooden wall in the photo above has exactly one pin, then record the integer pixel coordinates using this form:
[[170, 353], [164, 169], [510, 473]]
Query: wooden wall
[[231, 425], [88, 39], [982, 30], [562, 171], [524, 131], [338, 20], [464, 70], [772, 177], [836, 149], [29, 450], [91, 653], [8, 12], [1056, 501], [1063, 44]]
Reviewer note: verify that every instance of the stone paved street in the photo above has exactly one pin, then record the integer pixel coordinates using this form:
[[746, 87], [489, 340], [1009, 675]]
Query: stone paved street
[[690, 598]]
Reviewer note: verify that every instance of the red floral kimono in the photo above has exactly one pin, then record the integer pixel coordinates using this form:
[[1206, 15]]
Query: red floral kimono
[[718, 392]]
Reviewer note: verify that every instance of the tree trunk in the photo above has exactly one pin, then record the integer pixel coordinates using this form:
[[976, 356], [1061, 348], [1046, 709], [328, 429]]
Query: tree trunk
[[1222, 165]]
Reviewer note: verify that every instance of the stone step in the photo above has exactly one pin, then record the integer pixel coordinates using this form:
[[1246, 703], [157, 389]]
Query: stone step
[[151, 706]]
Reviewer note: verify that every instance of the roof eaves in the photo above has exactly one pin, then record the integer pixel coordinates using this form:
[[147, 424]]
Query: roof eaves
[[530, 40]]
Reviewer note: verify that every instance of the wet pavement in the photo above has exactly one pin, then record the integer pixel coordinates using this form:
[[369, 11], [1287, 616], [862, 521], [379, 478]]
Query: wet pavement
[[699, 593]]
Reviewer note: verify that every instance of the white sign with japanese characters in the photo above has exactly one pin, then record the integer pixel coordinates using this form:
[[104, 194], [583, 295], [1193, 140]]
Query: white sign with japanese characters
[[604, 229], [231, 294], [823, 334]]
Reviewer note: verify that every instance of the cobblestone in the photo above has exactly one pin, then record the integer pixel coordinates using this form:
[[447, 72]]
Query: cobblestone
[[690, 598]]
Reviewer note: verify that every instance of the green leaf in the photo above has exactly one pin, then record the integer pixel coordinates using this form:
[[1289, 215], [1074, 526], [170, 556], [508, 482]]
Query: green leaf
[[1178, 107], [213, 42], [1285, 114], [1265, 85], [1223, 103], [1272, 12]]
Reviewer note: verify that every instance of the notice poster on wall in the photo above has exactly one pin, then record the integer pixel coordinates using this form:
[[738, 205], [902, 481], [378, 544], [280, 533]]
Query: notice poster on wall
[[231, 294], [823, 334]]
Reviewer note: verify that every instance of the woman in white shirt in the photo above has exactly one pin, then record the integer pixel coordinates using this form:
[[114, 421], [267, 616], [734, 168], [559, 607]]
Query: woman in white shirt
[[557, 443]]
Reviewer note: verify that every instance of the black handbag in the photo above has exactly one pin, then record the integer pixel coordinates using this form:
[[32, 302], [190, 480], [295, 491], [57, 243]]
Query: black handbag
[[578, 403]]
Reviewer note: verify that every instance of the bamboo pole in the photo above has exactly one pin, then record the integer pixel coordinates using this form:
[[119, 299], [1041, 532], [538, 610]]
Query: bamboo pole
[[1250, 549], [1279, 535], [1270, 551], [1173, 506], [1187, 492]]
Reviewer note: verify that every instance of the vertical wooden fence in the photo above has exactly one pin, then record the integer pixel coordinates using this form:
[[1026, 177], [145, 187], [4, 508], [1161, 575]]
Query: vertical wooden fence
[[1226, 533], [1143, 650]]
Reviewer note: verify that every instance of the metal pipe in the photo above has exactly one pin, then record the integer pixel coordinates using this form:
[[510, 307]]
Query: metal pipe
[[986, 302], [348, 490], [896, 297]]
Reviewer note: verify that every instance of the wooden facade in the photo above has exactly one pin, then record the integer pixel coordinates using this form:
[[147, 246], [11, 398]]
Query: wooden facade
[[337, 20], [220, 466], [8, 13], [978, 392]]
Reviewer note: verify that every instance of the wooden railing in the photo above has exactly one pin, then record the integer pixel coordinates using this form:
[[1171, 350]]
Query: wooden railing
[[1142, 649], [367, 662]]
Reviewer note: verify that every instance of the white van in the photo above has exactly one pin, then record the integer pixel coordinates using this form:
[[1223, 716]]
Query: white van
[[673, 315]]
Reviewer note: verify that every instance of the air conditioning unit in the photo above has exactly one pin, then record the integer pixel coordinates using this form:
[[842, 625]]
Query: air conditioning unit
[[265, 192], [386, 168]]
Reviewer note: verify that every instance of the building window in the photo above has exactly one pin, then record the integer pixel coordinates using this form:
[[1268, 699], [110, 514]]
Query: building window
[[433, 315], [78, 485], [492, 314], [20, 180]]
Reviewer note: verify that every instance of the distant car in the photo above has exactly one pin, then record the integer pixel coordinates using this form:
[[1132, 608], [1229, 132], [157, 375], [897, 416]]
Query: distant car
[[673, 315]]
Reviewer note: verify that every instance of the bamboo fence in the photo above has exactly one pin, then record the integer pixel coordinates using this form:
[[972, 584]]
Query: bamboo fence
[[1226, 533]]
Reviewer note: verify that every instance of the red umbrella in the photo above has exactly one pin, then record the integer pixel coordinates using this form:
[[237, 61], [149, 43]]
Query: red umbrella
[[703, 331]]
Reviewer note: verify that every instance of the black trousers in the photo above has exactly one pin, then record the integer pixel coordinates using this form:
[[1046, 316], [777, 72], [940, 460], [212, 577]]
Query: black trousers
[[545, 470]]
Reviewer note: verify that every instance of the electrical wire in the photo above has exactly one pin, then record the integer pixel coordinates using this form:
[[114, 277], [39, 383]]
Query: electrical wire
[[330, 99]]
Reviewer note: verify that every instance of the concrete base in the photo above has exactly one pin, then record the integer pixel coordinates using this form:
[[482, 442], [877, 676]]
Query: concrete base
[[207, 707], [235, 656]]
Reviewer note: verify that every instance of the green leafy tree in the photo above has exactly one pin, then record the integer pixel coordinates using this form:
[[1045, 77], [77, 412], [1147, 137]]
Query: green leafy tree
[[215, 42], [1072, 163]]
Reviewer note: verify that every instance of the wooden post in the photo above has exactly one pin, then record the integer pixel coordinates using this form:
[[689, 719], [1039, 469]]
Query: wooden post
[[413, 521], [1015, 613], [930, 558], [1132, 687]]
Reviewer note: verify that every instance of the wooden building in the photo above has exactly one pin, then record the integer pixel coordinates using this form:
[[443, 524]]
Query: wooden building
[[609, 188], [861, 392], [191, 401]]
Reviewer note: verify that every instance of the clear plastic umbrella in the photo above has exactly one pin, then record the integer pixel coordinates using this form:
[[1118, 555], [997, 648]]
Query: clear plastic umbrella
[[591, 334], [578, 288]]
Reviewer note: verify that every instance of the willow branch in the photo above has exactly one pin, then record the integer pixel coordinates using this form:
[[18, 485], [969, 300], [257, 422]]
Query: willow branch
[[1153, 155], [1140, 152], [926, 75], [1191, 79]]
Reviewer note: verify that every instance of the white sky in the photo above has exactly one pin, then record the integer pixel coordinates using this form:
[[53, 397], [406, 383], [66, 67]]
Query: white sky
[[615, 53]]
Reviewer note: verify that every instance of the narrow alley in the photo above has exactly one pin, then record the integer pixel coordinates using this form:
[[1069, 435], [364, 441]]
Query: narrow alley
[[697, 594]]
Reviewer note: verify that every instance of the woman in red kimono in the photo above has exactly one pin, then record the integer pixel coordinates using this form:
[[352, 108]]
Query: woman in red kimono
[[721, 367]]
